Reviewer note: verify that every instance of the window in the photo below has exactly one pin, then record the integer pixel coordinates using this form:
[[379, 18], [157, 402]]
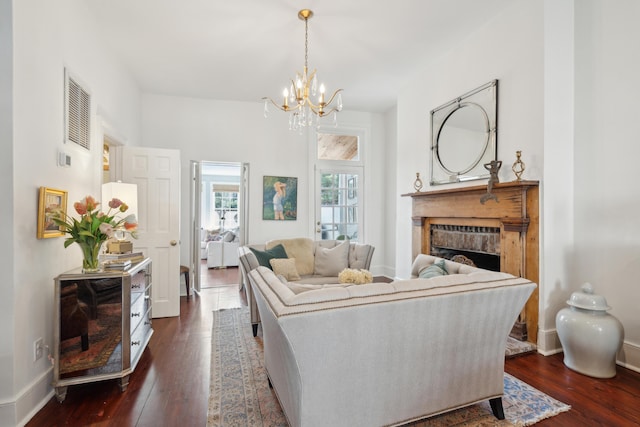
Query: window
[[338, 147], [339, 206], [339, 184], [225, 210]]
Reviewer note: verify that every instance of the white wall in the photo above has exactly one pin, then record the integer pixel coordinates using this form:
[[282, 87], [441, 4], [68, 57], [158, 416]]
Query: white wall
[[7, 292], [568, 86], [507, 48], [47, 37], [229, 131], [607, 195]]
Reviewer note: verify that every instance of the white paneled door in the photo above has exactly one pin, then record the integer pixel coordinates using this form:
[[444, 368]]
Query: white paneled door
[[157, 173]]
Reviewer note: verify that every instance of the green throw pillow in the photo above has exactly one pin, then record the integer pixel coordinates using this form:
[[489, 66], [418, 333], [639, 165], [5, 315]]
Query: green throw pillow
[[434, 270], [263, 257]]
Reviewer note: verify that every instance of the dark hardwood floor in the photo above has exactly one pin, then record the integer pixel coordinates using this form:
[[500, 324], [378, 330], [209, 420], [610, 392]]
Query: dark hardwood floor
[[170, 386]]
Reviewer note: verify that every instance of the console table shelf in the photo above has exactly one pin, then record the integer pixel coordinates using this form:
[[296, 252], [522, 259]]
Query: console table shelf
[[102, 324]]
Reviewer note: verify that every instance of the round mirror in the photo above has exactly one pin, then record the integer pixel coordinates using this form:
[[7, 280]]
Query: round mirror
[[463, 138]]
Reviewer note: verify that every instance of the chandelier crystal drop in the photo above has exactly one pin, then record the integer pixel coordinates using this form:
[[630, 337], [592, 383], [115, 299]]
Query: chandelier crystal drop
[[296, 99]]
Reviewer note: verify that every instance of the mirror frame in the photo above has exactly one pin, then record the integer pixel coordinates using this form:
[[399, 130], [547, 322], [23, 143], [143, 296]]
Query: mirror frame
[[485, 98]]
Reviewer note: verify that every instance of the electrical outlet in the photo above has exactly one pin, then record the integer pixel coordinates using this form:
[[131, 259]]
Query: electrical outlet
[[38, 349]]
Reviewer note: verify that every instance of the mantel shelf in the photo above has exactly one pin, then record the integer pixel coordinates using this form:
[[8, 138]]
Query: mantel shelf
[[474, 189]]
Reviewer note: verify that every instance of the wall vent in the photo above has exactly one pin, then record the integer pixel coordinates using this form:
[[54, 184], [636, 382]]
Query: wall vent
[[77, 112]]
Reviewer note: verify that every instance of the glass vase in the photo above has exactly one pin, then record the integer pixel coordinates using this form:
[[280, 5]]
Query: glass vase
[[90, 252]]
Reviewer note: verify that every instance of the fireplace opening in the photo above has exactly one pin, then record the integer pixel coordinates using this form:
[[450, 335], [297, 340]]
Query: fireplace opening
[[479, 244], [480, 260]]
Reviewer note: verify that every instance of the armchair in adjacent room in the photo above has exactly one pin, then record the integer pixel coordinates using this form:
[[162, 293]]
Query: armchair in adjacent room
[[74, 321]]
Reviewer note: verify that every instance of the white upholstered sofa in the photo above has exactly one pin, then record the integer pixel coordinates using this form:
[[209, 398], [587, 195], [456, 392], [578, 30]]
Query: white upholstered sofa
[[317, 262], [388, 353], [224, 251]]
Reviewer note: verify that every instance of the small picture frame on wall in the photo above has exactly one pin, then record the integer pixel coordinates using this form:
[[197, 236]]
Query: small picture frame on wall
[[279, 198], [50, 199]]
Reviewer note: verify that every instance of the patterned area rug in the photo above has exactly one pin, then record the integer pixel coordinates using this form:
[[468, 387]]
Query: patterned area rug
[[104, 337], [516, 348], [240, 394]]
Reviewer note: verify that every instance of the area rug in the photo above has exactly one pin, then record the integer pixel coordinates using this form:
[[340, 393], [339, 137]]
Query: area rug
[[517, 348], [105, 333], [240, 394]]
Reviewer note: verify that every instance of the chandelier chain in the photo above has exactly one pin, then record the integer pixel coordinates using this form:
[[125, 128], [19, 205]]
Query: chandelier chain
[[306, 42]]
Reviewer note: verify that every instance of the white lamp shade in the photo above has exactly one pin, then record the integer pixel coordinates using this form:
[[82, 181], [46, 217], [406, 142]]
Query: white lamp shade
[[127, 193]]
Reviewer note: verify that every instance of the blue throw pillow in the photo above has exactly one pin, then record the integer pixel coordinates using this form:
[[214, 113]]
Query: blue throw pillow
[[263, 257], [434, 270]]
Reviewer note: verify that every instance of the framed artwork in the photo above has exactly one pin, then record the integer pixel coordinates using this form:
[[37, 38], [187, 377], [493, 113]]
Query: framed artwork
[[279, 198], [50, 199], [105, 157]]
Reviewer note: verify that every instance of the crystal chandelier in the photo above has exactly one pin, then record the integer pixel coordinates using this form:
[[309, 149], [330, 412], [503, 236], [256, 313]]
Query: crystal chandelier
[[296, 99]]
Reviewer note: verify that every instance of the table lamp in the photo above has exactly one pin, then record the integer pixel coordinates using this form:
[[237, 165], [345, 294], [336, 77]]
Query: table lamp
[[128, 193]]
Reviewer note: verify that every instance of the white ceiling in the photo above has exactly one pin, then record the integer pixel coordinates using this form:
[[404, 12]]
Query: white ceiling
[[245, 49]]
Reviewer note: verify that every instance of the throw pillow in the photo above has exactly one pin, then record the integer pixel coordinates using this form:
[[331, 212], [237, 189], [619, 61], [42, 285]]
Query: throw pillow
[[263, 257], [285, 267], [434, 270], [301, 249], [330, 262], [229, 236]]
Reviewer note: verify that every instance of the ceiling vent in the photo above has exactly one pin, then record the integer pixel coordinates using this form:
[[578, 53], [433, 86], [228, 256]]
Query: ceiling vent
[[77, 112]]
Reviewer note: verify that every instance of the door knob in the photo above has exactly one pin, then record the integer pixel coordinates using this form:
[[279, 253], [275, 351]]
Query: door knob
[[173, 243]]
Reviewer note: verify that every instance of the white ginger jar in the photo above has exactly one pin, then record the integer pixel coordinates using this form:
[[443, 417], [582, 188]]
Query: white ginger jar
[[590, 337]]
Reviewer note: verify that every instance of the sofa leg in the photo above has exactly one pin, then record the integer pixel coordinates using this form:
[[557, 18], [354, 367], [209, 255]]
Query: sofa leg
[[496, 408], [254, 326]]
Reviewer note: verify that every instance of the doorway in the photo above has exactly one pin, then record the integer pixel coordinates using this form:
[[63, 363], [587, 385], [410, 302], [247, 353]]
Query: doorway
[[219, 212]]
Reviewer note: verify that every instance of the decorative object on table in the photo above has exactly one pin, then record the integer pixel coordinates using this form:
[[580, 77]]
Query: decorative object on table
[[590, 337], [118, 244], [94, 227], [493, 167], [303, 112], [518, 166], [355, 276], [50, 200], [279, 198], [464, 136], [417, 184], [113, 259]]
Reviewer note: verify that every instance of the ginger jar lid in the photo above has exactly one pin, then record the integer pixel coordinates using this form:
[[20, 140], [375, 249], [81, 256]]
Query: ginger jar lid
[[587, 300]]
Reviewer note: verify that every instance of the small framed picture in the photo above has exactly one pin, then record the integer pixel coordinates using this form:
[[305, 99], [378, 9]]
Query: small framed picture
[[50, 200]]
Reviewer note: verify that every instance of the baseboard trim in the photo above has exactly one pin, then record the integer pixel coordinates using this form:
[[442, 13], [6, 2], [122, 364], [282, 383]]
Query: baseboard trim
[[548, 342], [28, 401], [628, 356]]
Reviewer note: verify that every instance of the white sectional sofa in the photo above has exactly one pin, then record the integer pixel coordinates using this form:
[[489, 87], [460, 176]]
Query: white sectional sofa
[[387, 353], [317, 262]]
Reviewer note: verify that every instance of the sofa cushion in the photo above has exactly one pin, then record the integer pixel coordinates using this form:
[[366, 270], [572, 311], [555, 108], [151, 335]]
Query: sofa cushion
[[265, 256], [331, 261], [299, 248], [434, 270], [285, 267]]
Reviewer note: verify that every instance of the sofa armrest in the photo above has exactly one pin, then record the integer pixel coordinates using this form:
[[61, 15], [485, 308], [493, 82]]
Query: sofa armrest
[[247, 262], [360, 255]]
